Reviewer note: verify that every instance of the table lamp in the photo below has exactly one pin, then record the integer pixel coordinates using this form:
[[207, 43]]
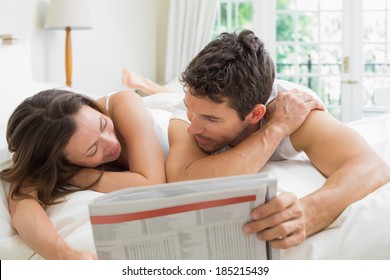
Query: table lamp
[[68, 15]]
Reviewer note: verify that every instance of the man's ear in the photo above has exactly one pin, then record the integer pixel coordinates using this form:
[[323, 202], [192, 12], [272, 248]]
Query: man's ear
[[256, 114]]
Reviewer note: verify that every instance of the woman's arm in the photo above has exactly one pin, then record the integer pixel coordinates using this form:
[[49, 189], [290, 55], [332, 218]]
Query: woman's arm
[[35, 228], [352, 168]]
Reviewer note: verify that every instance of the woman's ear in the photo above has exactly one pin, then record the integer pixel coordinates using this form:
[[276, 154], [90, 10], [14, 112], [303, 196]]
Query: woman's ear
[[257, 113]]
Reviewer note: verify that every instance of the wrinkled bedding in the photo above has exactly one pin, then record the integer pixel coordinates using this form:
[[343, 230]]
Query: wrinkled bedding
[[362, 231]]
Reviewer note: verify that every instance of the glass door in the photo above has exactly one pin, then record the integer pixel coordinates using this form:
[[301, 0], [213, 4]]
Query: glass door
[[376, 56], [338, 48], [309, 47]]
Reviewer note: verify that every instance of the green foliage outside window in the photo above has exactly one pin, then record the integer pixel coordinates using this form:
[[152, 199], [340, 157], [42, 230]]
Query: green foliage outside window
[[241, 17]]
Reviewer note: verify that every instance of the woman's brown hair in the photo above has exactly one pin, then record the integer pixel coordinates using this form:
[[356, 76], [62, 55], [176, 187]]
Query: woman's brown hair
[[37, 133]]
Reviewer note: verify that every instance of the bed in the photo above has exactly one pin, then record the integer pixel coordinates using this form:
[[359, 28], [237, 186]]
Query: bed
[[362, 231]]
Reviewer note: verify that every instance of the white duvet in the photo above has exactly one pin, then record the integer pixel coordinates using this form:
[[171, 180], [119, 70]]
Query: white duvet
[[362, 231]]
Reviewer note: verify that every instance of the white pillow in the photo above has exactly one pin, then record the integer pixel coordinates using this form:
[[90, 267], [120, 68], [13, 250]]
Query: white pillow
[[13, 93], [15, 72], [12, 246], [175, 86], [163, 101], [376, 131]]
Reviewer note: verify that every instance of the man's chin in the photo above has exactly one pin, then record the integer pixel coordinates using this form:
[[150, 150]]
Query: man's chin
[[208, 149], [204, 148]]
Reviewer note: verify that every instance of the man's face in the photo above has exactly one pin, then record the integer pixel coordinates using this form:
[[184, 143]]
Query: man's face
[[214, 125]]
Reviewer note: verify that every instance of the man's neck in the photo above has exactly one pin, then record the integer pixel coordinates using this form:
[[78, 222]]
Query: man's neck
[[251, 128]]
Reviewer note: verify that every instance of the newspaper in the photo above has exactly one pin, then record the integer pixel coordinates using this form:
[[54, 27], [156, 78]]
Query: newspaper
[[199, 219]]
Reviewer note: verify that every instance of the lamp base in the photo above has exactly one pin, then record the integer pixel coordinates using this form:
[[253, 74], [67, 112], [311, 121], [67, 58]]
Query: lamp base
[[68, 58]]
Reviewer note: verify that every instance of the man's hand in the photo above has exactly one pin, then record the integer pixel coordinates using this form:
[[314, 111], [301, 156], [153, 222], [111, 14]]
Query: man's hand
[[280, 221], [290, 108]]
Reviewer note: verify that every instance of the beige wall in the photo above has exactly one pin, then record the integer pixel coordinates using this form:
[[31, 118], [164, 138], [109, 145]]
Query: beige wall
[[162, 21], [126, 33]]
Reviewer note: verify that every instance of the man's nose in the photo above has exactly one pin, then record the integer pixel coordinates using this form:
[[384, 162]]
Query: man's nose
[[195, 127]]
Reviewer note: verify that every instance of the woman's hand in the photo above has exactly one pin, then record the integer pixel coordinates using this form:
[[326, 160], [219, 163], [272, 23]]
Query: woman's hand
[[65, 252]]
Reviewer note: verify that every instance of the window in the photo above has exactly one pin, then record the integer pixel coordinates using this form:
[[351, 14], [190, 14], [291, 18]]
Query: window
[[340, 49], [234, 15], [376, 56], [309, 47]]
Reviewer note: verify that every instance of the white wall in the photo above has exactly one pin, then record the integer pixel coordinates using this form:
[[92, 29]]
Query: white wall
[[126, 33]]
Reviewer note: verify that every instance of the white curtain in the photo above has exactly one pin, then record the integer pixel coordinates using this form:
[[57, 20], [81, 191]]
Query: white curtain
[[264, 23], [190, 28]]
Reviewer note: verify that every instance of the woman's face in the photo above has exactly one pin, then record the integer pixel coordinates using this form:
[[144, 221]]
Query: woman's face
[[94, 142]]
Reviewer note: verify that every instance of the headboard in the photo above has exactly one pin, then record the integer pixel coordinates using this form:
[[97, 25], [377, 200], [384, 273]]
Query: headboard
[[15, 74], [7, 39]]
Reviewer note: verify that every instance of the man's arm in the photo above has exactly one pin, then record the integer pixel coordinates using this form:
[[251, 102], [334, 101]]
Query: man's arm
[[353, 170], [186, 161]]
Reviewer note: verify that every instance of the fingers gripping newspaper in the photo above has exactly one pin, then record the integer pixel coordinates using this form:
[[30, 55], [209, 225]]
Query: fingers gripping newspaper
[[199, 219]]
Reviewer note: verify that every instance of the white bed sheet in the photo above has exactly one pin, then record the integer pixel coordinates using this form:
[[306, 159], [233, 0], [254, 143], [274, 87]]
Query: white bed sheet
[[362, 231]]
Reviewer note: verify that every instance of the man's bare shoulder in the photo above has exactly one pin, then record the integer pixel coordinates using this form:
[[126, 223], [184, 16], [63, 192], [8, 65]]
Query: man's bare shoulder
[[328, 142], [316, 123]]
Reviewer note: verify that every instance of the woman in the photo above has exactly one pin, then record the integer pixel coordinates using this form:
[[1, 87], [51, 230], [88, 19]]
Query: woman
[[64, 142]]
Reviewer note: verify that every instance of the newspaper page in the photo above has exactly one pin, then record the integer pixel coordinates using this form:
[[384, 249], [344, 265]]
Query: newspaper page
[[200, 219]]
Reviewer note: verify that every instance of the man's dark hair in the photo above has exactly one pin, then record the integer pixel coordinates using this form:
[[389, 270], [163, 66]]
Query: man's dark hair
[[235, 68]]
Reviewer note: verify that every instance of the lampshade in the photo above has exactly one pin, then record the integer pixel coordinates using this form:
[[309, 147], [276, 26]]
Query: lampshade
[[68, 13]]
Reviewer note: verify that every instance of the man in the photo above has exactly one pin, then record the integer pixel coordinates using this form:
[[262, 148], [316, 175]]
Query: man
[[230, 131]]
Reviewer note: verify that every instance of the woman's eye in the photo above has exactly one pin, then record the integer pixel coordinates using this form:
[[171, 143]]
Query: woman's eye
[[92, 151], [103, 124]]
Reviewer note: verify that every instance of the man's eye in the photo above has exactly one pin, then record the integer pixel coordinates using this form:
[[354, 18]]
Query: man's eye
[[211, 119]]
